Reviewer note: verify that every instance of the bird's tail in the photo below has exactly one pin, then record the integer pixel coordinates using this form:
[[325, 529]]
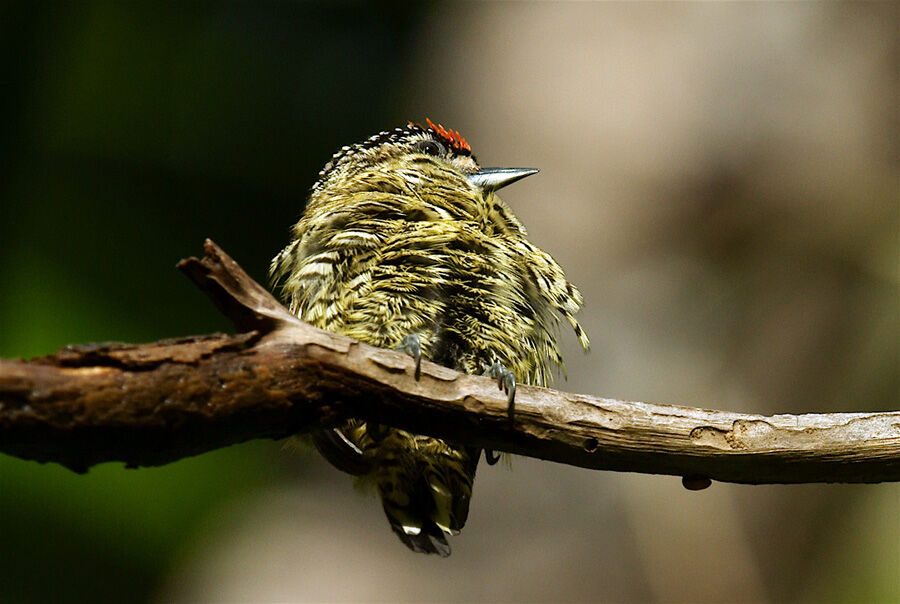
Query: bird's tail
[[425, 487], [425, 484]]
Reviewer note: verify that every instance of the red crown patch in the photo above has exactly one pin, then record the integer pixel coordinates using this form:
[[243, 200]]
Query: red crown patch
[[451, 137]]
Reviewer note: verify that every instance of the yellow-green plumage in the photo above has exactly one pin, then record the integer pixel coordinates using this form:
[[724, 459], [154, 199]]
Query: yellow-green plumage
[[396, 240]]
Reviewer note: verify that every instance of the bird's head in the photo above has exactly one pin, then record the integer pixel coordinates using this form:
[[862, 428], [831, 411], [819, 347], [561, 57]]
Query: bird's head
[[413, 159]]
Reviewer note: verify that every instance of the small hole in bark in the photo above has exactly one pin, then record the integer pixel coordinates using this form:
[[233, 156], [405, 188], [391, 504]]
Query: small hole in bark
[[591, 444]]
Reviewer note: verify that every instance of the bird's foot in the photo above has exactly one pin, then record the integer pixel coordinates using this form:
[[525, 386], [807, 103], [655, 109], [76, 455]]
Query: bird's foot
[[413, 347], [491, 457], [506, 381]]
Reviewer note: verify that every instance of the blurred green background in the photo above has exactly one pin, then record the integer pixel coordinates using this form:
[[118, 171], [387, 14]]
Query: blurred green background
[[131, 132], [721, 181]]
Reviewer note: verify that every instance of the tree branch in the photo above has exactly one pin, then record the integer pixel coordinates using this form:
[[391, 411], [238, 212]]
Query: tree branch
[[151, 404]]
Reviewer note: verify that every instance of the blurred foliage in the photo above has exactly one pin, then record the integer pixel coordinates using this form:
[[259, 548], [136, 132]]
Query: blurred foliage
[[132, 131]]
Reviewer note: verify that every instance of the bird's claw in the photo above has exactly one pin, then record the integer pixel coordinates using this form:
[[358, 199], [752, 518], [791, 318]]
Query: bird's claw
[[506, 381], [413, 347], [491, 457]]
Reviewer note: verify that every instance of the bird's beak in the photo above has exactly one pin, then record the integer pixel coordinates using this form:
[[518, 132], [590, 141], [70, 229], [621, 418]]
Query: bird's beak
[[491, 179]]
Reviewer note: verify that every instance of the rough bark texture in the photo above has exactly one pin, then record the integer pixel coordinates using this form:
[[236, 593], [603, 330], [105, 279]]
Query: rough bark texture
[[154, 403]]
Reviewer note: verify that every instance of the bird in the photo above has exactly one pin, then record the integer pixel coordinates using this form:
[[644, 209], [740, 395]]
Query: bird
[[404, 243]]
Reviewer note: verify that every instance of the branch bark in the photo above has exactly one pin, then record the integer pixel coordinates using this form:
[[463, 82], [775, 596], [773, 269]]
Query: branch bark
[[151, 404]]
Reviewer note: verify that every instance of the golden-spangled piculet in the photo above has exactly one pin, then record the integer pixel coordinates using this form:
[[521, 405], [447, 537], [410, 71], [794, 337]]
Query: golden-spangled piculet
[[405, 244]]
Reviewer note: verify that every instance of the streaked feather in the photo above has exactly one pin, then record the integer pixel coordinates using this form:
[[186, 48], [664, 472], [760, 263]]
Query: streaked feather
[[394, 242]]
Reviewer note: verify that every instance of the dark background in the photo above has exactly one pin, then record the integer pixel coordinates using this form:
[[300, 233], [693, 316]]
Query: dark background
[[720, 180]]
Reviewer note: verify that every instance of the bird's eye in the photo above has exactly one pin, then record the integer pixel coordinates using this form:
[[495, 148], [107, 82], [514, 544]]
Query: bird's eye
[[430, 147]]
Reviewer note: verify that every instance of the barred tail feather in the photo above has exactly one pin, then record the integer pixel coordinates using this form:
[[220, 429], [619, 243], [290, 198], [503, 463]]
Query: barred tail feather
[[429, 539], [426, 497]]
